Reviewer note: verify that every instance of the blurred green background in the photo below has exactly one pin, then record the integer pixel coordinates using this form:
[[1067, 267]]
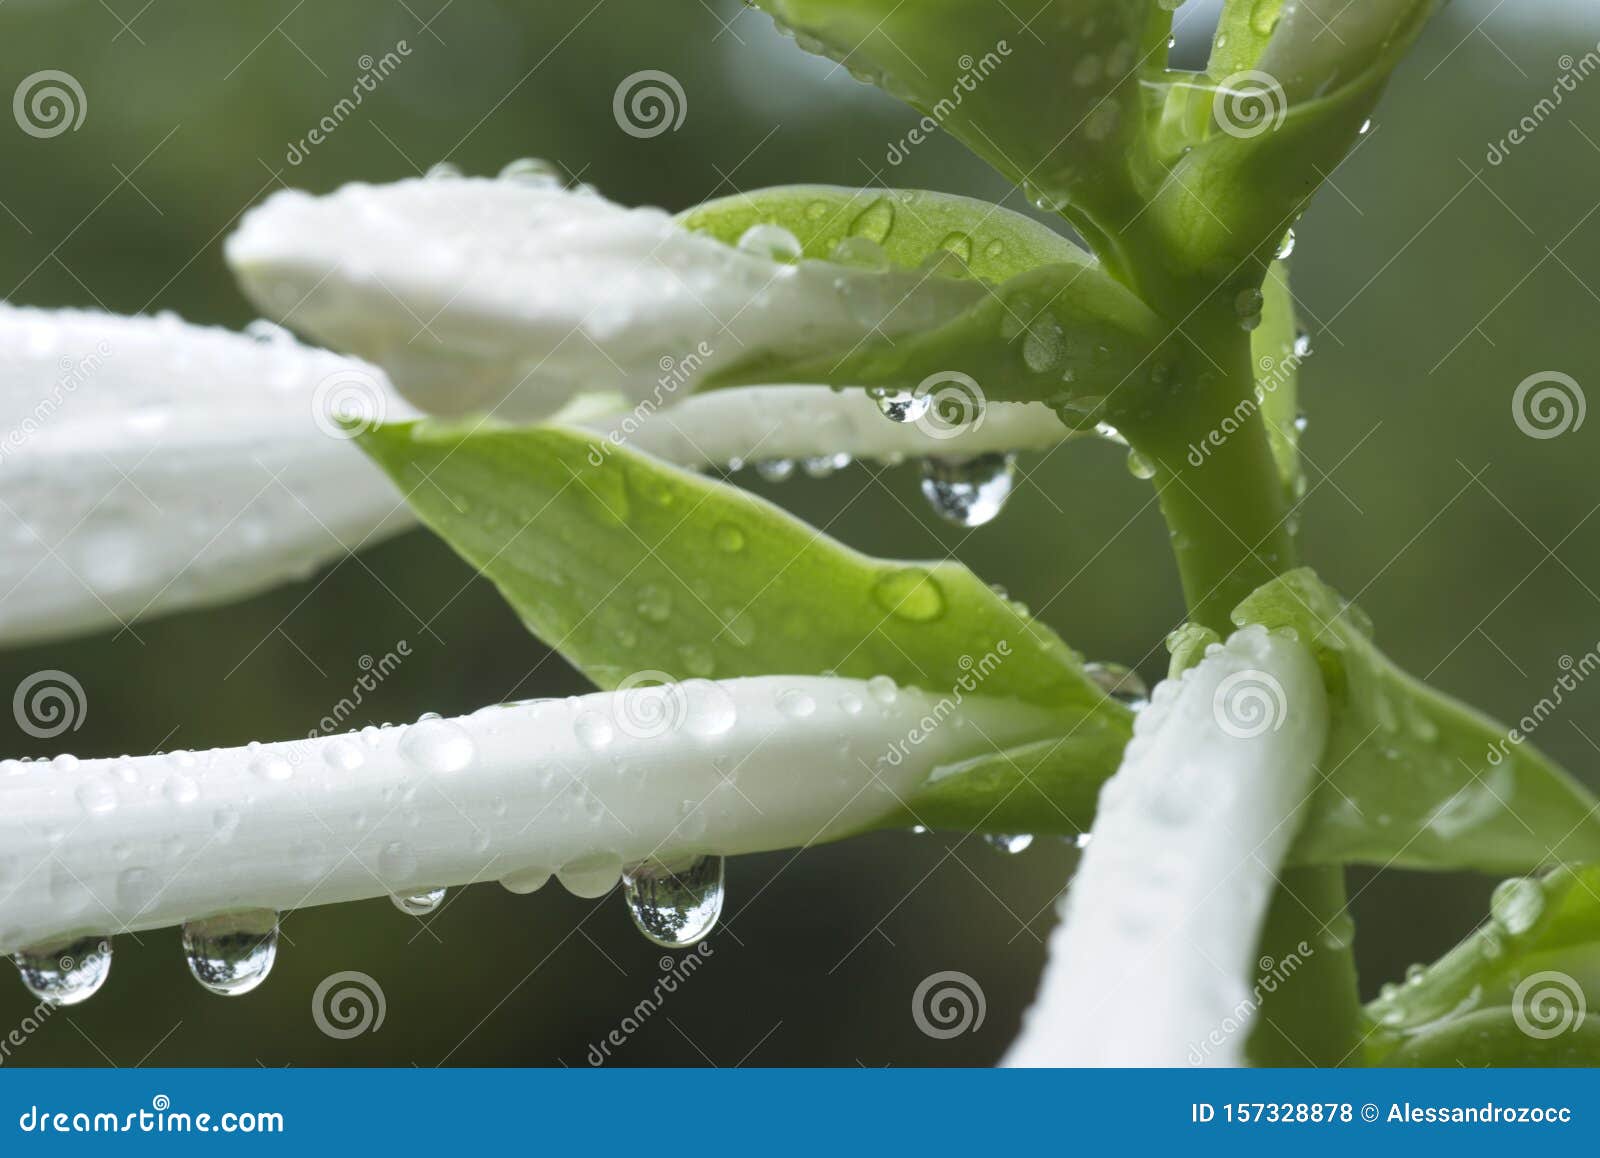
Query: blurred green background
[[1433, 281]]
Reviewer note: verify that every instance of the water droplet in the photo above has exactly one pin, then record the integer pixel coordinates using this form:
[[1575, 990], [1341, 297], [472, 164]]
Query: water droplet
[[396, 863], [419, 904], [771, 241], [591, 876], [728, 537], [1302, 345], [824, 465], [902, 405], [1139, 466], [1120, 683], [437, 746], [1285, 247], [676, 909], [271, 766], [775, 469], [1247, 306], [1010, 845], [968, 492], [534, 171], [883, 689], [1043, 345], [875, 221], [442, 171], [796, 704], [655, 604], [910, 593], [861, 253], [1517, 904], [525, 881], [97, 797], [68, 972], [959, 244], [593, 731], [231, 954]]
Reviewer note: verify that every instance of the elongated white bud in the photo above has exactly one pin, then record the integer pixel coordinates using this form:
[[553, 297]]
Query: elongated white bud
[[151, 465], [579, 787], [1154, 959]]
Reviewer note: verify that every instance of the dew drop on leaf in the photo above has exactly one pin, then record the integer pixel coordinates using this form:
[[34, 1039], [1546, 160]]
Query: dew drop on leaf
[[910, 593], [770, 241], [875, 221]]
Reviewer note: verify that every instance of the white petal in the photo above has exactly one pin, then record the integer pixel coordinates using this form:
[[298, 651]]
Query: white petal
[[587, 785], [1156, 948], [761, 423], [152, 465], [509, 296]]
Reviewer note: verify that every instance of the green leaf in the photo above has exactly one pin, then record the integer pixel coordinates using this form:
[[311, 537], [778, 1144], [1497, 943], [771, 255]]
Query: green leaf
[[1518, 991], [1053, 100], [1248, 143], [912, 228], [625, 564], [1412, 777]]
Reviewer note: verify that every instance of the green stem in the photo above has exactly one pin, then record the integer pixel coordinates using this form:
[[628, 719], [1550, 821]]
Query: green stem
[[1227, 512]]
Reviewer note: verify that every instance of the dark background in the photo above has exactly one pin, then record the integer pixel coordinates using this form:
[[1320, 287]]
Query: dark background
[[1434, 284]]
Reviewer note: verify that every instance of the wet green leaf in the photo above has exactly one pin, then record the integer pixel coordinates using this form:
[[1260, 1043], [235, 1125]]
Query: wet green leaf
[[1412, 777], [1518, 991]]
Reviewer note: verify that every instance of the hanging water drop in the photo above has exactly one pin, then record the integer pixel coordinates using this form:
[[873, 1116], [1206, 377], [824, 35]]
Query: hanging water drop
[[1302, 345], [419, 904], [66, 973], [1139, 466], [232, 954], [770, 241], [1247, 306], [902, 405], [968, 492], [775, 469], [1008, 844], [1285, 247], [675, 909]]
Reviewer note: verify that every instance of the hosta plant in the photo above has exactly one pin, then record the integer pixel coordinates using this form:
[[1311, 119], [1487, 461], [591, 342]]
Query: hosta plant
[[565, 389]]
